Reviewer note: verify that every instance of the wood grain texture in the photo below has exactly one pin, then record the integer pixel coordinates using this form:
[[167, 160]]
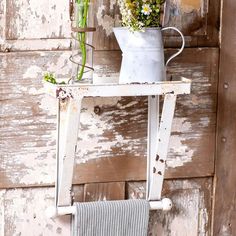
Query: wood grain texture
[[23, 213], [78, 193], [104, 191], [28, 117], [192, 145], [191, 212], [107, 16], [20, 215], [225, 196], [113, 141], [37, 19], [198, 20]]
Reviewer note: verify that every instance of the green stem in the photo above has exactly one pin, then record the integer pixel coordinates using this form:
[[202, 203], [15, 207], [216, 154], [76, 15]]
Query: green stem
[[83, 13]]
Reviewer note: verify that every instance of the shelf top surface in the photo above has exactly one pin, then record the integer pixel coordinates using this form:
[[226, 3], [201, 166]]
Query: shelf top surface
[[81, 90]]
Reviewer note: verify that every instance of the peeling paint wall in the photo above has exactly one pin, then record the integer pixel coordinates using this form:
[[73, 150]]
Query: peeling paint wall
[[34, 38]]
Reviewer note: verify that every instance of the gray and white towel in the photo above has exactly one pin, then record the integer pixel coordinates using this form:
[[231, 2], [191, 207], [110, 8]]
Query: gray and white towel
[[111, 218]]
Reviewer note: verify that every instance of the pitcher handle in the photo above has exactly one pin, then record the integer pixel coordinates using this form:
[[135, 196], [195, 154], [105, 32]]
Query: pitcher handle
[[183, 43]]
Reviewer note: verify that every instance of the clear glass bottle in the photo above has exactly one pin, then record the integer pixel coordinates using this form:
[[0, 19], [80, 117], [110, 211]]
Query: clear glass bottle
[[82, 19]]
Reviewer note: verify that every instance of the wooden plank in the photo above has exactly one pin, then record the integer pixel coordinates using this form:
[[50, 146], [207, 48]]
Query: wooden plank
[[37, 19], [107, 16], [113, 138], [78, 193], [34, 44], [197, 19], [2, 21], [104, 191], [192, 204], [191, 212], [24, 213], [2, 216], [28, 117], [225, 195], [193, 133]]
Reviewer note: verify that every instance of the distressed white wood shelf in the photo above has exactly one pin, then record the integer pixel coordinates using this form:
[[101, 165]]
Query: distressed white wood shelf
[[158, 132]]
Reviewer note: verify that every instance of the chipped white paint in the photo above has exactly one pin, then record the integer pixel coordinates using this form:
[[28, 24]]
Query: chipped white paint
[[47, 103], [2, 212], [32, 72], [182, 152], [204, 121], [35, 44], [203, 222], [181, 124], [38, 19], [2, 21], [24, 161], [105, 21], [30, 114], [130, 104], [94, 144], [179, 143], [24, 211], [189, 202], [61, 66]]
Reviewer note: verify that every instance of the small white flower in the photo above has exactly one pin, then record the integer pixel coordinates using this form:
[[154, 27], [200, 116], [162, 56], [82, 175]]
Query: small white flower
[[129, 13], [146, 10]]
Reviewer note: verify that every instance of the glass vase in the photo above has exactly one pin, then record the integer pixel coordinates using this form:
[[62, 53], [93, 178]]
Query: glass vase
[[82, 18]]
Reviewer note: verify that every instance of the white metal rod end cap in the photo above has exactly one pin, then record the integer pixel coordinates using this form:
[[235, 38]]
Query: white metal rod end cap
[[167, 204], [51, 212]]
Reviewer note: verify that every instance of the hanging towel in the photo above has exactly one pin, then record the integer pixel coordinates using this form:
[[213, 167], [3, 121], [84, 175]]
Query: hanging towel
[[111, 218]]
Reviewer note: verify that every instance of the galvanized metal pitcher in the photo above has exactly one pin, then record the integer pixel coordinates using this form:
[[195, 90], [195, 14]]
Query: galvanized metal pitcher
[[143, 54]]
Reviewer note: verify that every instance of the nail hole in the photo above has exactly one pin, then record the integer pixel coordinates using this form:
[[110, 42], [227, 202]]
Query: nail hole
[[97, 110]]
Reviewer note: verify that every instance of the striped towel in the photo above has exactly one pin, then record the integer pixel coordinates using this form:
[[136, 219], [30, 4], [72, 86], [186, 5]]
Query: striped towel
[[111, 218]]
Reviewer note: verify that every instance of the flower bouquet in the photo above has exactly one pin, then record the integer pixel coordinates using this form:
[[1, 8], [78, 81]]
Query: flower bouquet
[[140, 40]]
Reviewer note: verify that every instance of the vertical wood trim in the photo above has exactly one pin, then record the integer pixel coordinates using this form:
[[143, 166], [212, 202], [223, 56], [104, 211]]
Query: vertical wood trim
[[225, 195], [2, 21]]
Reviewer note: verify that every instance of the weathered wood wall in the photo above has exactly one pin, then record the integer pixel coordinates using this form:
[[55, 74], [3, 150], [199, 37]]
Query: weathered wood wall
[[34, 37], [225, 195]]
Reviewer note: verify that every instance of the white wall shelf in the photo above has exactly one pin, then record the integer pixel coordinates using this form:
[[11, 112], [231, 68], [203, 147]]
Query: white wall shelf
[[158, 132]]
